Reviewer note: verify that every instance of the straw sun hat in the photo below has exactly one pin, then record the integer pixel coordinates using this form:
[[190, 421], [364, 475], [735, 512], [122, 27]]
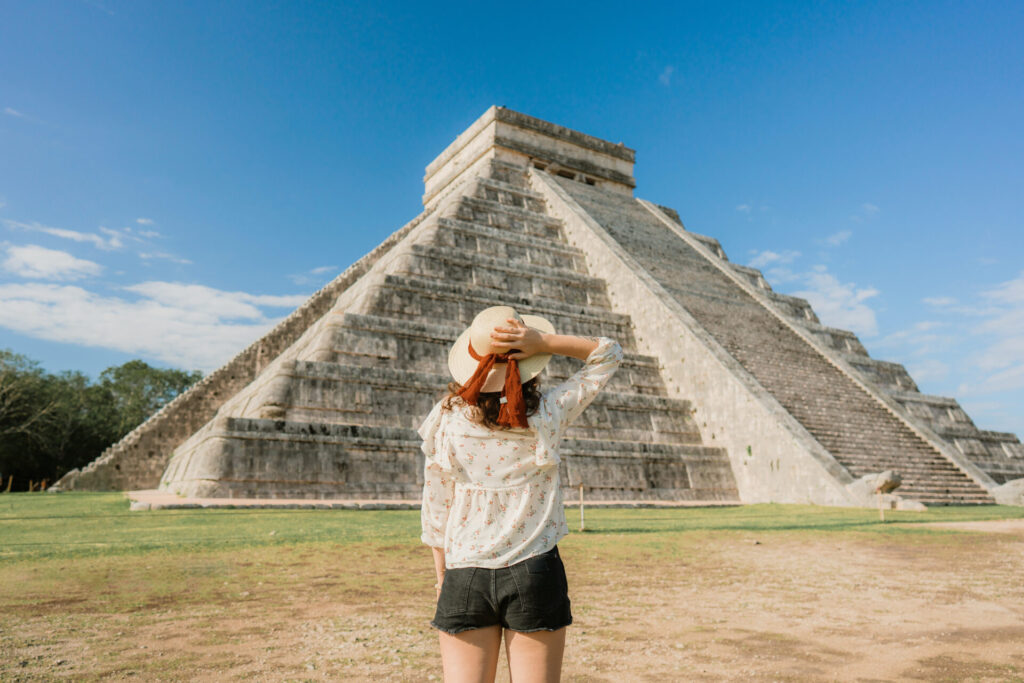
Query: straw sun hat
[[462, 365]]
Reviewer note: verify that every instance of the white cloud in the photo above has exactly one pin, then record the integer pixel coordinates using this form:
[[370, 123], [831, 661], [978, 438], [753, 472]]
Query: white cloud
[[768, 257], [919, 340], [838, 304], [989, 347], [743, 208], [112, 241], [215, 302], [114, 238], [1005, 329], [1002, 325], [1010, 379], [149, 255], [150, 233], [1010, 292], [33, 261], [867, 212], [929, 370], [14, 112], [665, 77], [144, 221], [191, 326], [314, 276], [837, 238]]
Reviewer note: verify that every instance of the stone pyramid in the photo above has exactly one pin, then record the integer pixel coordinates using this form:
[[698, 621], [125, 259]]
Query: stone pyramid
[[728, 391]]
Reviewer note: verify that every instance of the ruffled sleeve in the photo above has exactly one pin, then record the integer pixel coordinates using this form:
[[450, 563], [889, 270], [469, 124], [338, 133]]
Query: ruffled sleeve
[[563, 404], [438, 478], [436, 446]]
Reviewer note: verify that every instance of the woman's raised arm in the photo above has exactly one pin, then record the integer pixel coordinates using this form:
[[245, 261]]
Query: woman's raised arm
[[529, 341]]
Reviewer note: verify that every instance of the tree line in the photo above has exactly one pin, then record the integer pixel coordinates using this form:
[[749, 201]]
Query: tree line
[[52, 423]]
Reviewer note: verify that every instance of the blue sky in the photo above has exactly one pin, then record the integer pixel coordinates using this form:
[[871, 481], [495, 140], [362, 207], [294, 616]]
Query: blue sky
[[176, 177]]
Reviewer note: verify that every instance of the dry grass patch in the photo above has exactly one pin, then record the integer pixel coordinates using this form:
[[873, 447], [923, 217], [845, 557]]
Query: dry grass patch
[[766, 593]]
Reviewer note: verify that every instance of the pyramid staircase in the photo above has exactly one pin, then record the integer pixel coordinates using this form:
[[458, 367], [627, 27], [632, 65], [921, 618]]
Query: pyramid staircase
[[858, 430], [999, 454], [338, 419]]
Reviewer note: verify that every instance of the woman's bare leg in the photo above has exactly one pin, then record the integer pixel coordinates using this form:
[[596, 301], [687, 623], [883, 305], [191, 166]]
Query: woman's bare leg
[[471, 656], [535, 657]]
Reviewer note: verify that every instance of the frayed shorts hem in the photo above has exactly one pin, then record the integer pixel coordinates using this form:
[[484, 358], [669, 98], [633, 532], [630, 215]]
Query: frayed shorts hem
[[454, 631]]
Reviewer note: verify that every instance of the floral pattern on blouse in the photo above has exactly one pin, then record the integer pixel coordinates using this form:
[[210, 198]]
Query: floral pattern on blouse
[[492, 498]]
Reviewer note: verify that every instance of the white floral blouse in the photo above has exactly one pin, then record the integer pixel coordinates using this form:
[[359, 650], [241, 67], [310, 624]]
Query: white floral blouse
[[492, 498]]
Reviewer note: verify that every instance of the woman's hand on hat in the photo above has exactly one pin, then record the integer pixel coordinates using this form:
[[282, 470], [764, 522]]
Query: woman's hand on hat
[[516, 335]]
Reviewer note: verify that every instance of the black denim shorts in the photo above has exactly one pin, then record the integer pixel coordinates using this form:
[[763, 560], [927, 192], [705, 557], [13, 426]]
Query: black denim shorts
[[532, 595]]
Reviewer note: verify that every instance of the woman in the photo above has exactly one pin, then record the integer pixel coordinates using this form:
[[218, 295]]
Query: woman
[[492, 505]]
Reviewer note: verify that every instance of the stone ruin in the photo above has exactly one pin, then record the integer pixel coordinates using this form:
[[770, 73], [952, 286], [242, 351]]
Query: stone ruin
[[729, 391]]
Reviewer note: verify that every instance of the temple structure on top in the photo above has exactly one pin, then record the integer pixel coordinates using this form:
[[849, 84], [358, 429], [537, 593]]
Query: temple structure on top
[[729, 391]]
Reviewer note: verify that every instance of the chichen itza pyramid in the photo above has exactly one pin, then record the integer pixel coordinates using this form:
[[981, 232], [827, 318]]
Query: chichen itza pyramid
[[729, 391]]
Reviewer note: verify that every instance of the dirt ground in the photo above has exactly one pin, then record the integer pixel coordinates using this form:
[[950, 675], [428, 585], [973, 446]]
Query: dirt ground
[[702, 606]]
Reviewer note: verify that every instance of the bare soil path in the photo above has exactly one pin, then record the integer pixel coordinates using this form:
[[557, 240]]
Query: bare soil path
[[711, 605]]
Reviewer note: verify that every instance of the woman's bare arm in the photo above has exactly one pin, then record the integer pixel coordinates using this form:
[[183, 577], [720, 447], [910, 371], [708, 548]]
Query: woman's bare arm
[[439, 567], [529, 341]]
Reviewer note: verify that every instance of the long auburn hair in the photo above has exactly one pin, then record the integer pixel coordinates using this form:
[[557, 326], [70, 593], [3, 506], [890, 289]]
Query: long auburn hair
[[485, 412]]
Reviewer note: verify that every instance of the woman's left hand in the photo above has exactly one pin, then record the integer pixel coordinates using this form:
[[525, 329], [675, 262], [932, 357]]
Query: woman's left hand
[[516, 335]]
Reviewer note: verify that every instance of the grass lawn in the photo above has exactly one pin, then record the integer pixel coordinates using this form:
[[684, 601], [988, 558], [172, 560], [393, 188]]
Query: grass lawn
[[90, 591]]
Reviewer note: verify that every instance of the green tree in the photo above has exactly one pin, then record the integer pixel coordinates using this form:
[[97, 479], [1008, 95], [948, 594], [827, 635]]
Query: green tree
[[51, 423], [138, 390], [27, 402]]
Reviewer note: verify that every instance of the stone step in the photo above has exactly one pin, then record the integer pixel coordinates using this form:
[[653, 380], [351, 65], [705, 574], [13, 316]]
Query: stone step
[[843, 341], [509, 173], [951, 432], [710, 242], [393, 436], [561, 272], [395, 343], [510, 278], [951, 498], [607, 469], [913, 488], [474, 237], [753, 276], [903, 462], [904, 467], [924, 478], [946, 501], [309, 460], [503, 192], [793, 307], [498, 215], [542, 231], [332, 393], [281, 459], [880, 373], [521, 186], [407, 297]]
